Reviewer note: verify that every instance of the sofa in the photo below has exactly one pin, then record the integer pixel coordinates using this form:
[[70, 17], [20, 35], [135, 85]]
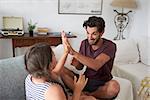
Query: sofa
[[12, 75], [132, 62]]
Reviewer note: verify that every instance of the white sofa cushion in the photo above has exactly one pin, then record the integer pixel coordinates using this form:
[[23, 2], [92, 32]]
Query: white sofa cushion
[[126, 90], [138, 71], [144, 48], [133, 72], [127, 52], [59, 50]]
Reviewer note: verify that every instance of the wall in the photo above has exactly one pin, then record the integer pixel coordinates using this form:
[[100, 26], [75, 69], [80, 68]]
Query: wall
[[45, 13], [140, 23], [148, 18]]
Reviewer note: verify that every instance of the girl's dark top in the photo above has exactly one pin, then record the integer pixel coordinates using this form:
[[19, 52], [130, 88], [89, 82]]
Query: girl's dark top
[[108, 48]]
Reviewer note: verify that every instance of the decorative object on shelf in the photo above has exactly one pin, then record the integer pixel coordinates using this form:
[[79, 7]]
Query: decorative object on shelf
[[121, 20], [42, 30], [31, 27], [12, 26]]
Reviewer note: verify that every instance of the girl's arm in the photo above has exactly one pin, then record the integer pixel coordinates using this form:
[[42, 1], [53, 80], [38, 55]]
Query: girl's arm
[[62, 60]]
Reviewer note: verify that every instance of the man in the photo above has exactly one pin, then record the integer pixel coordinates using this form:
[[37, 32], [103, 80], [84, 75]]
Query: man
[[98, 55]]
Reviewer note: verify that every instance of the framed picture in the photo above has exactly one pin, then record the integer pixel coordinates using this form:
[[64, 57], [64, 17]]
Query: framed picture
[[82, 7]]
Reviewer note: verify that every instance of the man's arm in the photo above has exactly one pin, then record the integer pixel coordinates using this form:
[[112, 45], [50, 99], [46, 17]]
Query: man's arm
[[94, 64], [77, 64]]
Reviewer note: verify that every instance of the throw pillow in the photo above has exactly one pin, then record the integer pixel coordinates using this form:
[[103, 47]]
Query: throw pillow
[[144, 48], [127, 52]]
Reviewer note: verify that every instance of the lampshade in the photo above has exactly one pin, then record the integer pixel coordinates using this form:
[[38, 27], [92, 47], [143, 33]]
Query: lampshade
[[124, 3]]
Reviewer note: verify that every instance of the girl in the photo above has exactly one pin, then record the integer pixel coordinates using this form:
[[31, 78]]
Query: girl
[[42, 81]]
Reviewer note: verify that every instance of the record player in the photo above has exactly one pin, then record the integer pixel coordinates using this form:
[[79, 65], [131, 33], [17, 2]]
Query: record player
[[12, 26]]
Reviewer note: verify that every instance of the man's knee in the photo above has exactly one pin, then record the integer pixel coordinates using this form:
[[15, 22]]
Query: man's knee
[[113, 88]]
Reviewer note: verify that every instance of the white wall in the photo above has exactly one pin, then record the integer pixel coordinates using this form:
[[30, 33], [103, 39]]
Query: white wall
[[45, 13], [140, 23], [148, 18]]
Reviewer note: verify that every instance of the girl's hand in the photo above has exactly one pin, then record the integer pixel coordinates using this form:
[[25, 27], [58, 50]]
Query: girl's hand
[[80, 83], [65, 42]]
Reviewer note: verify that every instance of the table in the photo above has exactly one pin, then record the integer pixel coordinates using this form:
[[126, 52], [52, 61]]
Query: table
[[25, 40]]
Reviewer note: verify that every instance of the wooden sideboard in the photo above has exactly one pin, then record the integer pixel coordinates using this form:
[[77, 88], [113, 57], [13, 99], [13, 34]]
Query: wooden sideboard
[[27, 40]]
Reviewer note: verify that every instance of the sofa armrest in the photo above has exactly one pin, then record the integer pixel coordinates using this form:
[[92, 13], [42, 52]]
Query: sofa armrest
[[12, 75]]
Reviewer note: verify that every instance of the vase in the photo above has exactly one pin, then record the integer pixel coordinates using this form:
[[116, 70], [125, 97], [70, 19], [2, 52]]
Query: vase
[[31, 33]]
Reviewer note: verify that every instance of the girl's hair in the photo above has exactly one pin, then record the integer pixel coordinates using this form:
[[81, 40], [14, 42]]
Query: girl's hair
[[37, 60]]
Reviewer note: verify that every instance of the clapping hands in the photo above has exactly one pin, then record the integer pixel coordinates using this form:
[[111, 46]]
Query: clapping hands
[[65, 42], [67, 46]]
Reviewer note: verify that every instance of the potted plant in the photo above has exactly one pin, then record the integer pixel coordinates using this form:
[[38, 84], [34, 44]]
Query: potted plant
[[31, 27]]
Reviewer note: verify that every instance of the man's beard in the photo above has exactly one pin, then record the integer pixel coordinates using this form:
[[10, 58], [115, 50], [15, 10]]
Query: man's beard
[[95, 41]]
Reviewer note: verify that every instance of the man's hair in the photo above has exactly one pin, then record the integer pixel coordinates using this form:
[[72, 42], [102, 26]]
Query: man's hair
[[37, 60], [95, 22]]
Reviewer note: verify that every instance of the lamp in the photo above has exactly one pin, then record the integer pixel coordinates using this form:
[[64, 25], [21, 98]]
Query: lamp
[[121, 20]]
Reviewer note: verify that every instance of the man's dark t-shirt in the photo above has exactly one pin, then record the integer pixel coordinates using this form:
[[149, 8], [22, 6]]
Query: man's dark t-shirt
[[104, 73]]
